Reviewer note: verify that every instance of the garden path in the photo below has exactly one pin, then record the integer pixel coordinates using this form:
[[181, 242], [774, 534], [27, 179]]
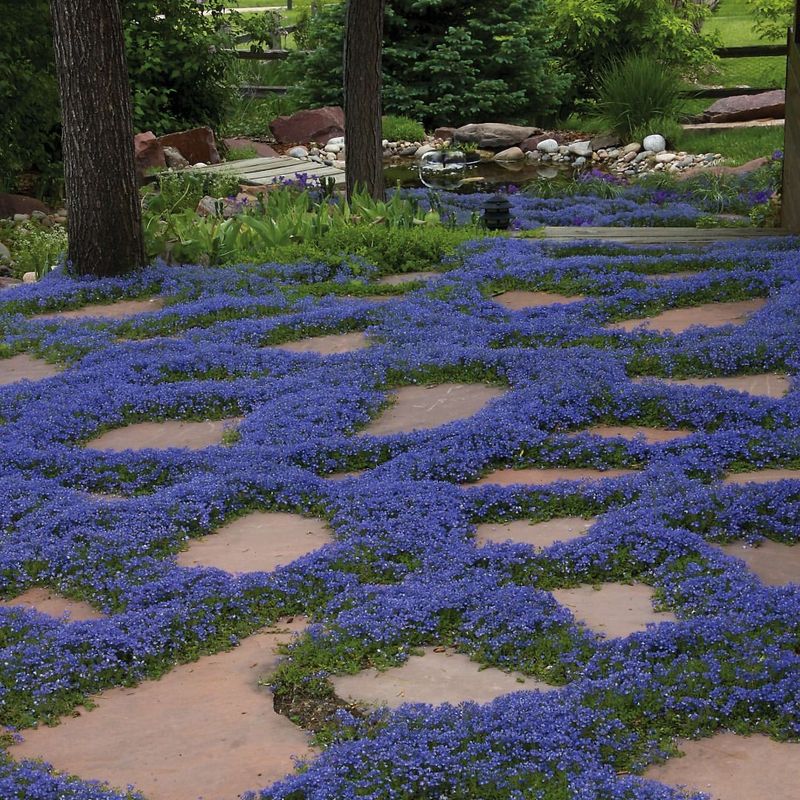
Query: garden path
[[266, 170]]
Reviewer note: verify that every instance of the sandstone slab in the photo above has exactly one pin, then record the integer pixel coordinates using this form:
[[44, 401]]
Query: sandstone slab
[[650, 435], [206, 729], [613, 609], [196, 145], [764, 385], [262, 148], [775, 563], [11, 204], [118, 310], [329, 344], [47, 602], [519, 299], [148, 152], [677, 320], [163, 435], [257, 542], [439, 676], [407, 277], [423, 407], [767, 105], [731, 767], [494, 135], [536, 476], [537, 534], [23, 367], [763, 476]]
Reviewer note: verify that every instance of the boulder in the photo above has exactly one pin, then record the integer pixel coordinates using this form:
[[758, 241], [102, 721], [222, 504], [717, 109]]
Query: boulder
[[5, 253], [510, 154], [11, 204], [767, 105], [444, 133], [148, 152], [318, 125], [633, 147], [297, 152], [742, 169], [262, 149], [548, 146], [655, 143], [605, 141], [531, 144], [195, 145], [174, 158], [580, 149], [494, 135]]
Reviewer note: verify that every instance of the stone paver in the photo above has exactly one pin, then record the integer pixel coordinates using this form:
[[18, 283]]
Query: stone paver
[[668, 276], [614, 609], [650, 435], [48, 602], [163, 435], [328, 344], [341, 476], [542, 476], [775, 563], [436, 678], [422, 407], [763, 476], [120, 310], [764, 385], [731, 767], [206, 729], [23, 367], [406, 277], [536, 534], [677, 320], [257, 542], [520, 299]]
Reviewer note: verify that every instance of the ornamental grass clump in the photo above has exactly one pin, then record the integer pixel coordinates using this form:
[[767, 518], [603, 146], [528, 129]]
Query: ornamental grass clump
[[638, 95]]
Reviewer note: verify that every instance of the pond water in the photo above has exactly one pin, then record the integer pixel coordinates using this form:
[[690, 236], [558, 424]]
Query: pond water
[[479, 177]]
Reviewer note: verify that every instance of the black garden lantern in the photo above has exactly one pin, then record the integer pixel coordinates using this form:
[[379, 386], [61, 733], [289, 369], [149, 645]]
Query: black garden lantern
[[497, 213]]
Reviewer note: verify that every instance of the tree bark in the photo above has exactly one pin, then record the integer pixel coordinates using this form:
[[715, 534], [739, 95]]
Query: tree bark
[[363, 44], [105, 220]]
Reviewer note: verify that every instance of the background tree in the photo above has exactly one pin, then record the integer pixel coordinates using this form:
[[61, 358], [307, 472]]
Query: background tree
[[362, 96], [105, 223]]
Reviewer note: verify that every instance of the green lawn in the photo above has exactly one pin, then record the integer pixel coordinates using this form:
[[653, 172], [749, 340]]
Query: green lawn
[[736, 146], [733, 22]]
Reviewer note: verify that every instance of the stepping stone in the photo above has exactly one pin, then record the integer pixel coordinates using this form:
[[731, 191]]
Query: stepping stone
[[23, 367], [537, 534], [163, 435], [765, 385], [668, 276], [762, 476], [540, 477], [406, 277], [614, 609], [54, 605], [423, 407], [327, 345], [341, 476], [257, 542], [677, 320], [120, 310], [517, 300], [651, 435], [775, 563], [731, 767], [437, 677], [205, 729]]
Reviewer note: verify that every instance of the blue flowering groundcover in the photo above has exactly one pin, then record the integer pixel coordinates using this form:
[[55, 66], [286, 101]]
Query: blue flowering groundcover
[[404, 570]]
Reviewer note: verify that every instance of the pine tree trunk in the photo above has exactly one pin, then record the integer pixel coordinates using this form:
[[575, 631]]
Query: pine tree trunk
[[362, 96], [105, 221]]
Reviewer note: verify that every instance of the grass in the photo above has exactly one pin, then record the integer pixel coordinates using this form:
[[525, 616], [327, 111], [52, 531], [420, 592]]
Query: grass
[[736, 146], [733, 23]]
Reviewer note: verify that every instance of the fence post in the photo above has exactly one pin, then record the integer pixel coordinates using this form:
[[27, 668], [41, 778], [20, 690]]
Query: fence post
[[790, 195]]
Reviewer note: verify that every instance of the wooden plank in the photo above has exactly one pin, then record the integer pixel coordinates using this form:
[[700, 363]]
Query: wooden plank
[[790, 196], [247, 163], [260, 92], [672, 236], [725, 91], [752, 51], [720, 127]]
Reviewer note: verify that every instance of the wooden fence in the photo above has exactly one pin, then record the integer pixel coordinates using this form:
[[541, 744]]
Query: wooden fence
[[790, 206]]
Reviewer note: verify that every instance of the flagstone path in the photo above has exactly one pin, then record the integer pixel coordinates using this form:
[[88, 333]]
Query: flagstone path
[[650, 435], [205, 730], [775, 563], [765, 385], [327, 345], [23, 367], [711, 315], [407, 277], [537, 534], [52, 604], [520, 299], [163, 435], [118, 310], [537, 476]]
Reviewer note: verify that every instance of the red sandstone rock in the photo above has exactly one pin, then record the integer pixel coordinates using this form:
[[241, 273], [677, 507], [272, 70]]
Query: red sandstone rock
[[196, 145], [11, 204], [444, 133], [262, 149], [148, 151], [767, 105], [529, 145], [318, 125]]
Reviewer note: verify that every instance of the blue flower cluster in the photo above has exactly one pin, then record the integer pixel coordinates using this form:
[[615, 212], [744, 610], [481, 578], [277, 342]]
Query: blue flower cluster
[[404, 570]]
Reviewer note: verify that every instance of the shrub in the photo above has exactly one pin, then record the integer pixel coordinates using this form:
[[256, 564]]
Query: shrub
[[446, 61], [34, 247], [402, 129], [595, 32], [772, 17], [636, 95]]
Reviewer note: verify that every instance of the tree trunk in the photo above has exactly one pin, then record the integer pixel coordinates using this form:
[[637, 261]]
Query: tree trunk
[[105, 220], [362, 96]]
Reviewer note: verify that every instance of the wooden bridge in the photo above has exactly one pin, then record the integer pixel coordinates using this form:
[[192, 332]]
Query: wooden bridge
[[267, 170]]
